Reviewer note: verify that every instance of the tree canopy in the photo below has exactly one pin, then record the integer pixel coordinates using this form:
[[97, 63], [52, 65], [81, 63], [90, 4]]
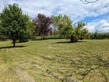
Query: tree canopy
[[68, 29], [13, 23], [42, 23]]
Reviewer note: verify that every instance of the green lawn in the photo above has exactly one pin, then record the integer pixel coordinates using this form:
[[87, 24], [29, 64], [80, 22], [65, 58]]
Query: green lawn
[[55, 61]]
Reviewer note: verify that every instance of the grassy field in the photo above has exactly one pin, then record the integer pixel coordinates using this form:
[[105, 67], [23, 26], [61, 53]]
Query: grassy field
[[55, 61]]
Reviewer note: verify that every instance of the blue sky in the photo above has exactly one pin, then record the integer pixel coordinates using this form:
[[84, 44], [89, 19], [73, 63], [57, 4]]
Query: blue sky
[[90, 19], [95, 14]]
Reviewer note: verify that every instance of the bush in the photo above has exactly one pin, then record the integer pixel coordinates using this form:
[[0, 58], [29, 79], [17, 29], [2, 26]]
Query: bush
[[3, 37], [26, 36], [99, 36]]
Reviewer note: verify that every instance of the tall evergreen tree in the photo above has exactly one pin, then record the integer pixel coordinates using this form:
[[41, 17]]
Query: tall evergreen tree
[[13, 23]]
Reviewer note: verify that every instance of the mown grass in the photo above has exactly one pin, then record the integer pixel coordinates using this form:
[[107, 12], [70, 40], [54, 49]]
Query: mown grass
[[55, 61]]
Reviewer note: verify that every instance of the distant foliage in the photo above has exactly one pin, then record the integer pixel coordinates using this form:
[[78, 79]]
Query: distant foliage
[[3, 37], [97, 35]]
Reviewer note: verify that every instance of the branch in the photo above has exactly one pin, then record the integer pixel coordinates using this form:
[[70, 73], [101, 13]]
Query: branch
[[86, 1]]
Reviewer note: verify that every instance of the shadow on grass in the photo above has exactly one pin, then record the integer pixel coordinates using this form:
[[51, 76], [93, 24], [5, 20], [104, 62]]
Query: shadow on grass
[[69, 42], [8, 47], [39, 39], [45, 39]]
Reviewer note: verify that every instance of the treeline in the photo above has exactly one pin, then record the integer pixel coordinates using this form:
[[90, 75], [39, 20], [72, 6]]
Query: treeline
[[97, 35], [16, 26]]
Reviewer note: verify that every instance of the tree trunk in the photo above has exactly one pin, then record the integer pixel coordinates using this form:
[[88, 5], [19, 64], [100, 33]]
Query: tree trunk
[[14, 42], [73, 39]]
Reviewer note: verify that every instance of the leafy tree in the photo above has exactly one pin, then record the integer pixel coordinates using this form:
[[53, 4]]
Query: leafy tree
[[84, 34], [54, 24], [80, 32], [68, 30], [31, 29], [78, 29], [64, 25], [13, 23], [42, 23]]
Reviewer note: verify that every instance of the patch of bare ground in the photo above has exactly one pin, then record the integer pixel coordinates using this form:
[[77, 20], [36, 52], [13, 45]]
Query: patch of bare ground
[[24, 76]]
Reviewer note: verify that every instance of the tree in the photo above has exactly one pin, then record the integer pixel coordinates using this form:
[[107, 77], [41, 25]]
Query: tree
[[31, 29], [84, 34], [42, 23], [68, 30], [80, 32], [63, 24], [54, 24], [13, 23], [65, 27]]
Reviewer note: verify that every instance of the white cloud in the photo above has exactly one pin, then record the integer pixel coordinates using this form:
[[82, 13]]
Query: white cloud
[[99, 25], [73, 8]]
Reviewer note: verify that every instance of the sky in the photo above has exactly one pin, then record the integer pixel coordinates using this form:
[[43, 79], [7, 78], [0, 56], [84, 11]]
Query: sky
[[96, 15]]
